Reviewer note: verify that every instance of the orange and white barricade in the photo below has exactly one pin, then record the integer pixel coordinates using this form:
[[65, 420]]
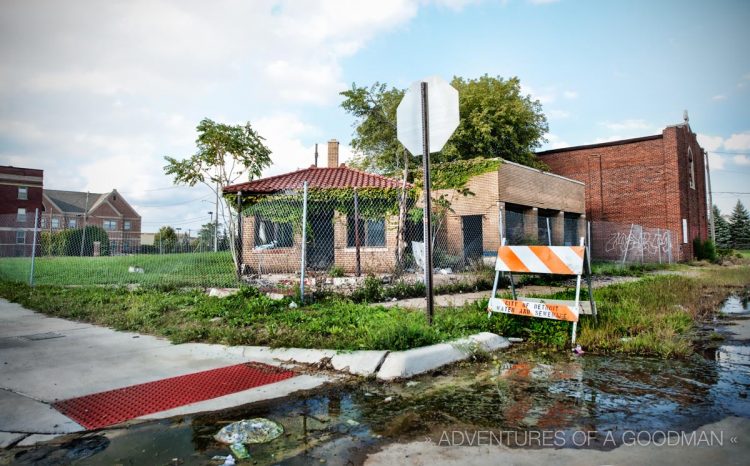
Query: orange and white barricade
[[560, 260]]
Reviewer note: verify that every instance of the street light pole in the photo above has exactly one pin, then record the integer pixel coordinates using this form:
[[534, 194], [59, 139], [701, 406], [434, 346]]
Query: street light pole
[[210, 222]]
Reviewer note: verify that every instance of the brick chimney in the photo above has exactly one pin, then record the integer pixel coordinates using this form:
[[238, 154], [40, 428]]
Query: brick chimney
[[333, 153]]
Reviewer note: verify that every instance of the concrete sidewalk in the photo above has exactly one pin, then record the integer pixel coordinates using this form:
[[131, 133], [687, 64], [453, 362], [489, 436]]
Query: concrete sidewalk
[[43, 360]]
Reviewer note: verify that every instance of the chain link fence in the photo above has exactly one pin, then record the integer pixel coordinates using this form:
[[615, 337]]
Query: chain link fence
[[59, 254], [288, 237], [631, 243]]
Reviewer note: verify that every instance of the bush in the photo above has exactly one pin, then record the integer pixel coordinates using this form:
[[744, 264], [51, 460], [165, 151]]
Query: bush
[[336, 272], [704, 250], [68, 242]]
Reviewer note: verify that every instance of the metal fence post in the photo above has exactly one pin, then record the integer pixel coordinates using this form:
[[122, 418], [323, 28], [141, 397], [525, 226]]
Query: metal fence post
[[357, 259], [549, 234], [33, 247], [238, 239], [627, 245], [304, 244], [658, 235]]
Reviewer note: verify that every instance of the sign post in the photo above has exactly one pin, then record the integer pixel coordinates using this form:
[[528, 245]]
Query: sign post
[[426, 118]]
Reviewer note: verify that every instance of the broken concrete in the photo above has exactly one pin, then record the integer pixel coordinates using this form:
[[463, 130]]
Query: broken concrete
[[403, 364]]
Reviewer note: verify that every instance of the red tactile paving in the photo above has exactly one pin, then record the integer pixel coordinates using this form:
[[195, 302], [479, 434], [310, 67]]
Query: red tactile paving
[[115, 406]]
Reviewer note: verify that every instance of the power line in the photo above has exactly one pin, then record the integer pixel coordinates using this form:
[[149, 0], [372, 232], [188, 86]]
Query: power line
[[729, 153], [173, 203]]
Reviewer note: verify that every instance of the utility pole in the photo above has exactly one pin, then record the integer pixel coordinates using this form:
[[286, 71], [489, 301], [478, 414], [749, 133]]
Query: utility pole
[[83, 238]]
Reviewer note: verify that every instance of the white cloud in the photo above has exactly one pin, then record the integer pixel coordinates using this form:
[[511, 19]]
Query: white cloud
[[545, 95], [738, 141], [741, 160], [555, 142], [116, 86], [719, 97], [542, 2], [456, 5], [626, 125], [710, 143], [570, 95], [716, 161], [557, 114]]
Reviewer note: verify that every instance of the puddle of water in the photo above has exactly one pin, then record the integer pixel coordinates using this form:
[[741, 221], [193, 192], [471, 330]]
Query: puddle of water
[[736, 305], [518, 392]]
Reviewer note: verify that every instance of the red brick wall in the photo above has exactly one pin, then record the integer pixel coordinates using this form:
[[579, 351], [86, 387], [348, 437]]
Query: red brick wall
[[645, 182]]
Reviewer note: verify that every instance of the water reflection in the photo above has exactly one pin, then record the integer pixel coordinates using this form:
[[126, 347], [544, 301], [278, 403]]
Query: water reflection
[[519, 391]]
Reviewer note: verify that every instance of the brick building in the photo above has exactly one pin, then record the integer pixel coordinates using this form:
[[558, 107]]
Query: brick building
[[269, 246], [20, 197], [531, 202], [655, 181], [110, 211]]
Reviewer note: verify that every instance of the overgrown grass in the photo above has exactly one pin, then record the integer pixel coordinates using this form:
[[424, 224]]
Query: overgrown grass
[[188, 269], [653, 316], [616, 269]]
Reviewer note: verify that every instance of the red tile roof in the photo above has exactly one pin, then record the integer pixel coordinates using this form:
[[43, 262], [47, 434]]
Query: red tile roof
[[325, 178]]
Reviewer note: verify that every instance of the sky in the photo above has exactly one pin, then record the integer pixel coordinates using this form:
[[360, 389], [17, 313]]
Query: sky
[[97, 92]]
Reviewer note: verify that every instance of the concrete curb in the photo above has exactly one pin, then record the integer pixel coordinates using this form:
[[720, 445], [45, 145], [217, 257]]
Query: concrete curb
[[362, 363], [404, 364], [387, 365]]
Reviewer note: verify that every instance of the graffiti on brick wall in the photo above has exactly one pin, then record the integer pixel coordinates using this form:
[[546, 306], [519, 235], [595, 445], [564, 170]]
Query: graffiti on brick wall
[[651, 244]]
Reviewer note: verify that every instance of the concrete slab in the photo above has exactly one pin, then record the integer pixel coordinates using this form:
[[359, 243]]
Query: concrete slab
[[32, 440], [9, 438], [82, 359], [363, 363], [23, 414], [452, 300], [404, 364]]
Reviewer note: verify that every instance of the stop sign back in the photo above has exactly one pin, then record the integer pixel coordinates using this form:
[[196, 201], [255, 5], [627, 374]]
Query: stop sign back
[[442, 114]]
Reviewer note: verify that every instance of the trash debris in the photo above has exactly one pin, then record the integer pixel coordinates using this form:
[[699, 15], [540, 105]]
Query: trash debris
[[412, 383], [218, 458], [515, 340], [229, 461], [446, 271], [388, 399], [293, 305], [240, 451], [352, 422], [625, 339], [135, 269], [256, 430], [578, 349]]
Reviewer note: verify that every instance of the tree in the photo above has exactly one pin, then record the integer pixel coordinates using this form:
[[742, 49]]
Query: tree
[[496, 121], [206, 237], [739, 227], [225, 153], [165, 239], [68, 242], [721, 228]]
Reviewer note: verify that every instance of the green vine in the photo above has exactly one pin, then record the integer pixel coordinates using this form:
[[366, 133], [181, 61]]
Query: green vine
[[455, 174], [374, 203]]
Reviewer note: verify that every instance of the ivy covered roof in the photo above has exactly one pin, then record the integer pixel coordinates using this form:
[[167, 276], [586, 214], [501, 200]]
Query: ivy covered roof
[[321, 178]]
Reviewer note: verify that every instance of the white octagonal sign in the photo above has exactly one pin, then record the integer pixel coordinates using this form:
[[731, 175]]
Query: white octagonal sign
[[442, 104]]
